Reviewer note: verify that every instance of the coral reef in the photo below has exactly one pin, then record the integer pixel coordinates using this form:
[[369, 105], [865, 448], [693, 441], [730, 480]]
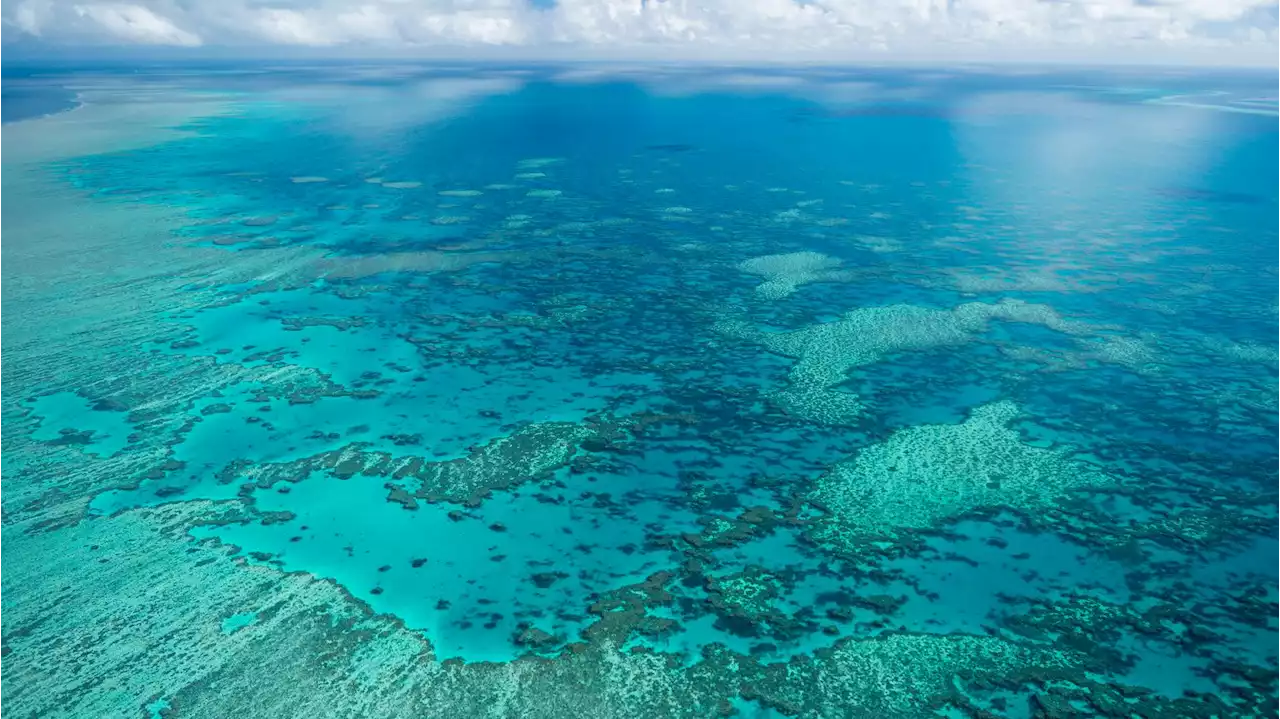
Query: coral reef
[[299, 424], [826, 352], [784, 274], [923, 476]]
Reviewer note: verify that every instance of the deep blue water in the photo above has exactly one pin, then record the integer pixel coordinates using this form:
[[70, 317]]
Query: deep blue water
[[24, 101], [825, 392]]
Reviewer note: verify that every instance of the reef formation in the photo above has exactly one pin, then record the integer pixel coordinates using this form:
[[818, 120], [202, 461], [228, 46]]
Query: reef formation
[[300, 424]]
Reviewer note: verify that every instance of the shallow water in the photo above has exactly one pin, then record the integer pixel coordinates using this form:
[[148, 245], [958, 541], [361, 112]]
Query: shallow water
[[442, 391]]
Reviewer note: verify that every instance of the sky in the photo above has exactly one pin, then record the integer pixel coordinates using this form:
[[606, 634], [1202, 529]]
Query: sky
[[1241, 32]]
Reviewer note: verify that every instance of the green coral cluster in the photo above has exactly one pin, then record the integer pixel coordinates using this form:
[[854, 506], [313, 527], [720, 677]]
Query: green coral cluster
[[749, 593], [899, 675], [525, 454]]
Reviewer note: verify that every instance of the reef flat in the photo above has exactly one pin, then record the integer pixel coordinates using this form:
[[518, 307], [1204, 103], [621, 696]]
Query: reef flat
[[517, 392]]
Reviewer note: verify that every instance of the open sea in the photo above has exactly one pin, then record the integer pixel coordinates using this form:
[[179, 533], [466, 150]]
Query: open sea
[[405, 390]]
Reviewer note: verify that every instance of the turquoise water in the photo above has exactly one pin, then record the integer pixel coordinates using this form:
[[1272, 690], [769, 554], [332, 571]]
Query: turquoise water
[[519, 391]]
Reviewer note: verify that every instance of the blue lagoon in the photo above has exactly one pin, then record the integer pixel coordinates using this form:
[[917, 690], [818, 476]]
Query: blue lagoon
[[532, 391]]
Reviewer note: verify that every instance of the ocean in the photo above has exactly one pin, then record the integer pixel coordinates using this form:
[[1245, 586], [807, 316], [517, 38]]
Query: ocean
[[639, 391]]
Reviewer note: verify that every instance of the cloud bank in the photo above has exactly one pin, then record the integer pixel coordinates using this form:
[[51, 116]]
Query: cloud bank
[[670, 29]]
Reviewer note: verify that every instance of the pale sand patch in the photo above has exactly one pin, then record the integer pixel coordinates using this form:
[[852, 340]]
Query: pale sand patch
[[536, 162], [784, 274], [879, 245], [924, 475], [827, 351], [100, 128]]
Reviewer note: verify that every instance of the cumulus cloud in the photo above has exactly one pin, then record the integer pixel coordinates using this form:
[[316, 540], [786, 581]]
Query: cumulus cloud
[[136, 24], [289, 27], [674, 29], [60, 21]]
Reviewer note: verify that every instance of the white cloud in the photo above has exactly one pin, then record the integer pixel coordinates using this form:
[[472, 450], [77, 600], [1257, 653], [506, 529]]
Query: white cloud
[[289, 27], [671, 29], [369, 23], [31, 16], [136, 24]]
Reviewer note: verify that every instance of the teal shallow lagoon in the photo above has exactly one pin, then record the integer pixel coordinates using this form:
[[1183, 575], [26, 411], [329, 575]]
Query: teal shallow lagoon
[[484, 392], [67, 418]]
